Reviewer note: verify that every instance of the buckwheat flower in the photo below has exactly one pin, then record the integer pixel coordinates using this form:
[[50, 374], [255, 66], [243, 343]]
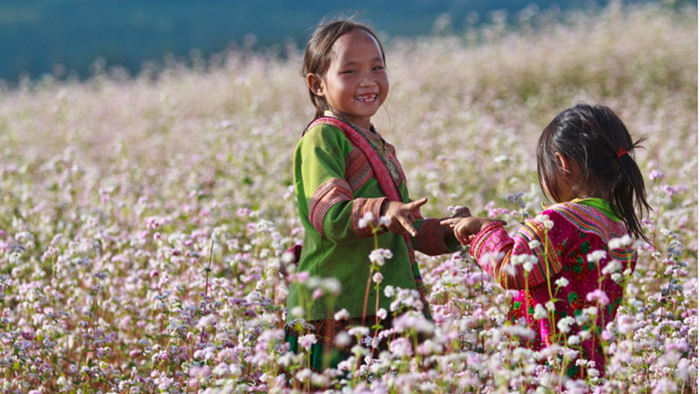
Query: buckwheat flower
[[381, 313], [540, 312], [534, 244], [307, 340], [501, 159], [592, 372], [384, 221], [362, 223], [401, 347], [377, 278], [598, 296], [596, 256], [545, 221], [342, 339], [617, 277], [654, 175], [618, 243], [331, 286], [342, 314], [573, 340], [612, 266], [528, 266], [297, 311], [359, 331], [300, 277], [561, 282], [389, 291], [549, 305], [318, 293], [564, 324]]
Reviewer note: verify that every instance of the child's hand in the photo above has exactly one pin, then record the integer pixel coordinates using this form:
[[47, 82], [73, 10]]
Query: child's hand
[[401, 216], [466, 228]]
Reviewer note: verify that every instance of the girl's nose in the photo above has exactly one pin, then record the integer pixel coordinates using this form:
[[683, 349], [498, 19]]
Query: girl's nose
[[368, 81]]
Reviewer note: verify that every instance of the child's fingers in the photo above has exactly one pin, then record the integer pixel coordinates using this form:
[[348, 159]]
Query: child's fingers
[[413, 205], [407, 225], [452, 222]]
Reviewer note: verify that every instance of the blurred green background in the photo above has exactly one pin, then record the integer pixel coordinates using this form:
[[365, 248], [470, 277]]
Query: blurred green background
[[37, 35]]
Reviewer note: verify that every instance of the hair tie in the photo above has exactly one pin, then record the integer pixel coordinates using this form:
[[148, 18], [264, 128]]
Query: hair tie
[[621, 152]]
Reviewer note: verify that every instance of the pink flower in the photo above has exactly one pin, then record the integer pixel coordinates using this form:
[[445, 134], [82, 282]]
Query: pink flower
[[599, 296], [307, 340]]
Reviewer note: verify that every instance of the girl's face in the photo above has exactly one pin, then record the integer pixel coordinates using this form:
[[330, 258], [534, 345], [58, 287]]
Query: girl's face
[[356, 83]]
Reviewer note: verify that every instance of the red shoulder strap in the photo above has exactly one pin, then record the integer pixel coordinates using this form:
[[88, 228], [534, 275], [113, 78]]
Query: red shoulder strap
[[359, 142]]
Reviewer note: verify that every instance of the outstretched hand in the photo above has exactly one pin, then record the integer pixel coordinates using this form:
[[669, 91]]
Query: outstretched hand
[[466, 227], [401, 216]]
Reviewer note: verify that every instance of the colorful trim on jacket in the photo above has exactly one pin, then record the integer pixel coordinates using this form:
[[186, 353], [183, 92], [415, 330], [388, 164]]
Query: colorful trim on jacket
[[330, 193]]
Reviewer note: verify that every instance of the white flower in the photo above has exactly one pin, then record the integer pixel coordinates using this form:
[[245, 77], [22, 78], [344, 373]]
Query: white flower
[[342, 314], [561, 282], [573, 340], [368, 217], [343, 339], [527, 266], [596, 256], [540, 312], [564, 324], [591, 310], [401, 347], [618, 243], [544, 219], [384, 221], [381, 313], [389, 291], [550, 306], [378, 256], [331, 285], [612, 266], [534, 244], [298, 311], [377, 278], [358, 331], [307, 340], [362, 223]]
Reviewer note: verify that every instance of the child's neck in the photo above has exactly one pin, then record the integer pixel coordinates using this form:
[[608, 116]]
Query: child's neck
[[362, 127]]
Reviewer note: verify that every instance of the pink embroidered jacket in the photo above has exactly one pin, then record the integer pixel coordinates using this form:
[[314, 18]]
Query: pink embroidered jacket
[[587, 299]]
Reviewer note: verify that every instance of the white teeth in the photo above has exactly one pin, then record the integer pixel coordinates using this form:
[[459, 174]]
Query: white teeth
[[366, 98]]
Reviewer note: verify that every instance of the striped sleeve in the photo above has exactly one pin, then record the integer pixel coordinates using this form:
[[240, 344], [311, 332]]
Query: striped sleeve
[[529, 256], [324, 194]]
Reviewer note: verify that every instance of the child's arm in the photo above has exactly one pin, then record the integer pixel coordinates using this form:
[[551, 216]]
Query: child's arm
[[528, 257], [326, 198]]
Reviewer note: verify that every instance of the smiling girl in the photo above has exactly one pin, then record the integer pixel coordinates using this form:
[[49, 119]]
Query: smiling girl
[[346, 177]]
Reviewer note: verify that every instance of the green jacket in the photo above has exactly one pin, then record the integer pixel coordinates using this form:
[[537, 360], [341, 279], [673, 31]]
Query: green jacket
[[335, 187]]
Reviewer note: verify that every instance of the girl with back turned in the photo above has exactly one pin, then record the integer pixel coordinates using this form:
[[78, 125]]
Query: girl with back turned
[[569, 263], [346, 177]]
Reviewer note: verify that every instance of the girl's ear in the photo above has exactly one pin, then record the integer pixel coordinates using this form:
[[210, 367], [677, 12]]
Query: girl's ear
[[568, 166], [315, 84]]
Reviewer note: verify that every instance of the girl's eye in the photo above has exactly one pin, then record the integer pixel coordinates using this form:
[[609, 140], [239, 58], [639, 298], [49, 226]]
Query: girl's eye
[[378, 68], [348, 72]]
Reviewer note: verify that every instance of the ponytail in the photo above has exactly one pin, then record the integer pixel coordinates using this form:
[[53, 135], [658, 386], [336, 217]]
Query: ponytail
[[627, 190]]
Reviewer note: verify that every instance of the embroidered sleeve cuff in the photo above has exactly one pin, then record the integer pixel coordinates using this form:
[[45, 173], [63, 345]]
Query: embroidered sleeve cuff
[[431, 238], [328, 194], [361, 207], [481, 239]]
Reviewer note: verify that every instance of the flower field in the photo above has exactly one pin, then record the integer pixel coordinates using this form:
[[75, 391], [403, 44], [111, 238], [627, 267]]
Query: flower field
[[143, 219]]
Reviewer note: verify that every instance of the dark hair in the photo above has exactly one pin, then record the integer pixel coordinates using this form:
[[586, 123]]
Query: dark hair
[[597, 140], [317, 57]]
